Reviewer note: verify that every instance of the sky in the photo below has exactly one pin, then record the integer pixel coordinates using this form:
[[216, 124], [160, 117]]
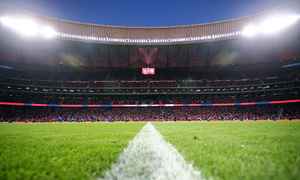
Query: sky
[[146, 13]]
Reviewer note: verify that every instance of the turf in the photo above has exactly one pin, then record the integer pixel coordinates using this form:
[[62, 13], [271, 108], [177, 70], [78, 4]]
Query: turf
[[62, 150], [270, 151], [87, 150]]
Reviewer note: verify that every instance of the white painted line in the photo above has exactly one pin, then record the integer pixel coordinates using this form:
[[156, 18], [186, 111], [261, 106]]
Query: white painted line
[[148, 156]]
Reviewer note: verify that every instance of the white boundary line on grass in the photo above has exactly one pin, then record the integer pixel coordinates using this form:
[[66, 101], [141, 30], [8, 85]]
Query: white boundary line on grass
[[148, 156]]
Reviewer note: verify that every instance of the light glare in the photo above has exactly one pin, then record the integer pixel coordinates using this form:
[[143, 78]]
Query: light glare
[[277, 24], [27, 28], [48, 32], [250, 31], [6, 21]]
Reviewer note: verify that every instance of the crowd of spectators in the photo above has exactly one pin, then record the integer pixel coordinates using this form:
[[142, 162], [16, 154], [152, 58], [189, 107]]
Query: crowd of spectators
[[81, 88], [254, 112], [162, 83], [113, 87], [119, 78], [167, 99]]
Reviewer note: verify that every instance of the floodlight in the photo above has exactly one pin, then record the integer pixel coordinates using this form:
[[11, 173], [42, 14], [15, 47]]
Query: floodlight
[[27, 27], [6, 21], [250, 31], [272, 25], [48, 32], [277, 24], [292, 19]]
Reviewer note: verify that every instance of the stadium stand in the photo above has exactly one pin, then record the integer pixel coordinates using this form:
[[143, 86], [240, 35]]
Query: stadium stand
[[39, 114], [81, 69]]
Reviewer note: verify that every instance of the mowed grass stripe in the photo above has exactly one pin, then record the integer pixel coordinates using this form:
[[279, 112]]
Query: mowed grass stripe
[[148, 156], [270, 151], [62, 150]]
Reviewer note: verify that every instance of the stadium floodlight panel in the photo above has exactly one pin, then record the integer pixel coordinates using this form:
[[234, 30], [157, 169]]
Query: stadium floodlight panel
[[48, 32], [6, 21], [276, 24], [271, 26], [250, 31], [24, 27], [27, 27]]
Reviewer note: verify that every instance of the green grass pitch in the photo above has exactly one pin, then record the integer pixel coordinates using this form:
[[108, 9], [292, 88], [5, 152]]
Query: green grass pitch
[[238, 150], [220, 150], [62, 150]]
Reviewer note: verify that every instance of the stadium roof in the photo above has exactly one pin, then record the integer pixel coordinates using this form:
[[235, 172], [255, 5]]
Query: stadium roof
[[99, 45], [28, 23], [144, 13]]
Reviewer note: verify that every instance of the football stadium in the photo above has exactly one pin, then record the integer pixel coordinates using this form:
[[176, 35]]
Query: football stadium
[[216, 100]]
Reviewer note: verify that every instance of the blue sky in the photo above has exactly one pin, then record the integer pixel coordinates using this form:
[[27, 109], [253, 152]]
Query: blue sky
[[150, 13]]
